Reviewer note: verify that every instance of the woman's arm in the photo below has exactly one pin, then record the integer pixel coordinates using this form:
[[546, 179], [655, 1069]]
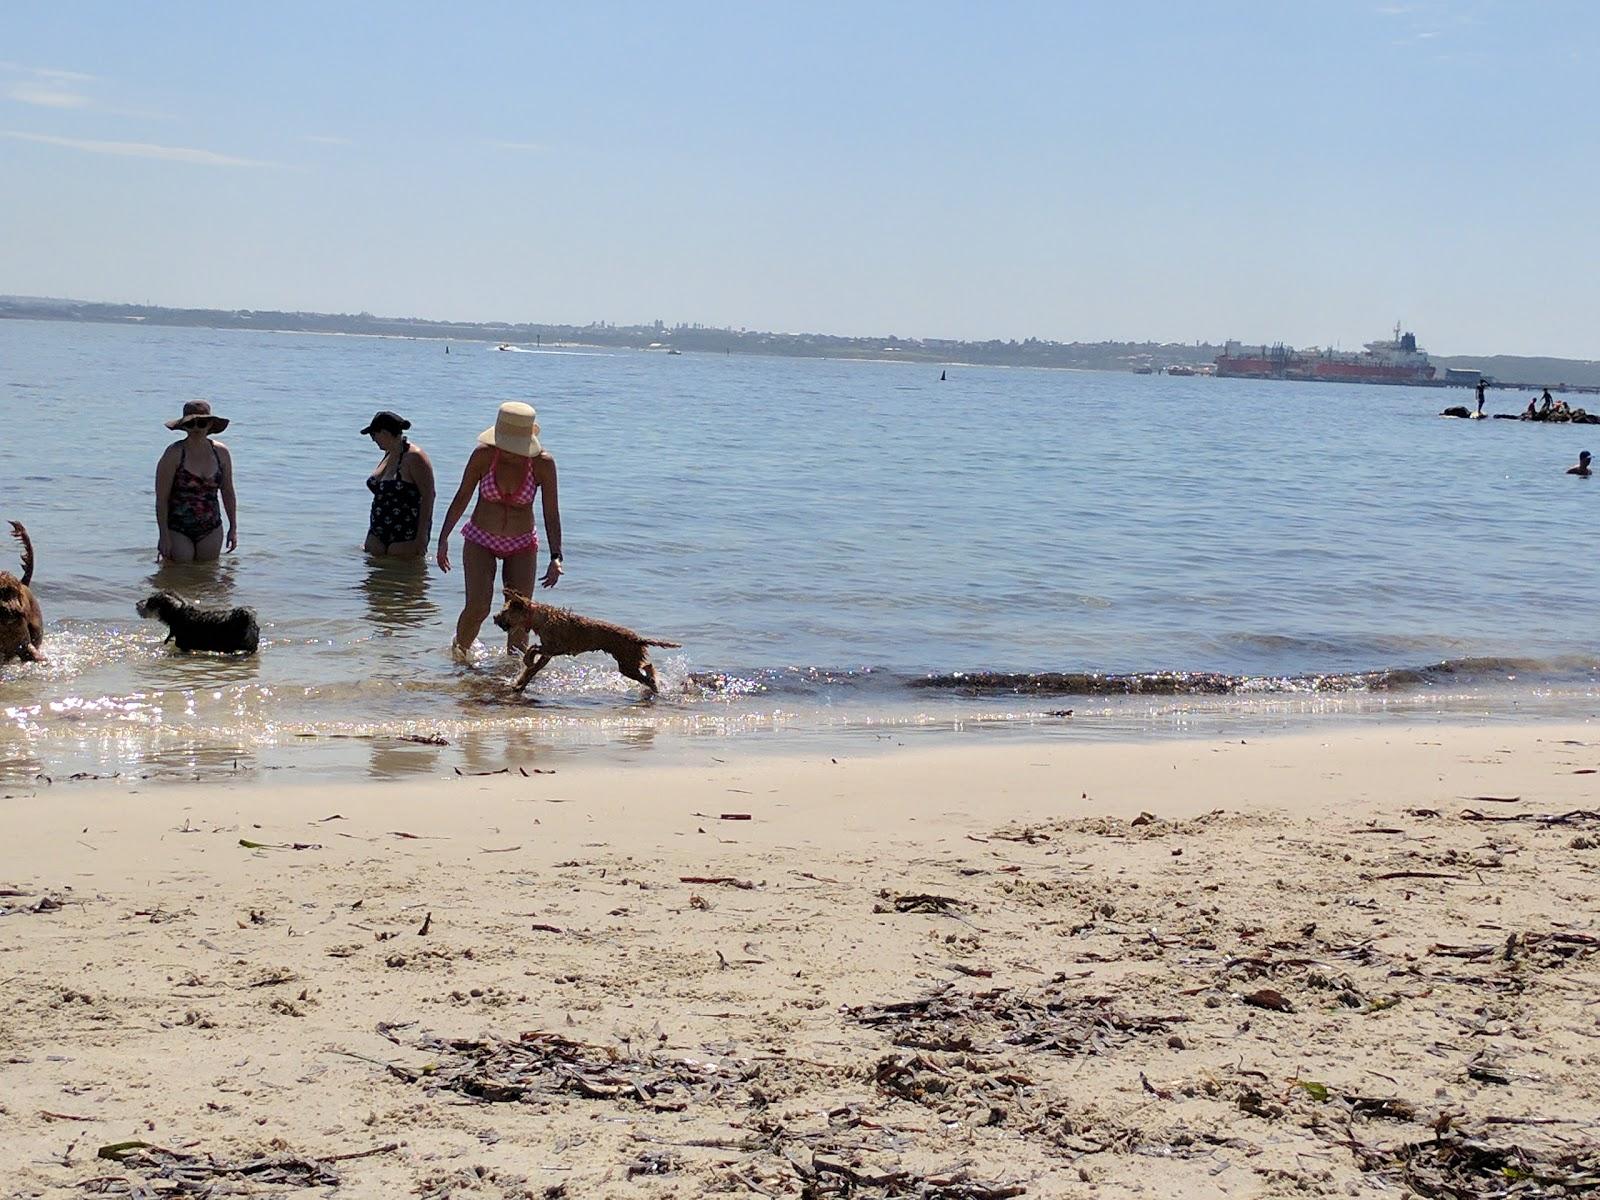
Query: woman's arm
[[420, 467], [476, 465], [166, 471], [230, 503], [552, 520]]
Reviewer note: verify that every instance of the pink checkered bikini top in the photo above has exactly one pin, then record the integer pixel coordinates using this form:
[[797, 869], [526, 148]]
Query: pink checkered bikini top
[[489, 486]]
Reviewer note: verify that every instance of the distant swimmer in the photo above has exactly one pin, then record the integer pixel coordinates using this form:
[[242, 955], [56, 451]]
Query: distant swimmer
[[941, 376], [447, 349], [1583, 465]]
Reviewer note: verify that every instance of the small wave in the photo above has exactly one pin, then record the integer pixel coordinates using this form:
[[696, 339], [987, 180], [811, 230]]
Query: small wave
[[1091, 683], [1463, 671], [791, 681]]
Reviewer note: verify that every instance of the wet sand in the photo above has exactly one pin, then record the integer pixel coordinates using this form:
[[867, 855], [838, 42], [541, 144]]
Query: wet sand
[[1344, 963]]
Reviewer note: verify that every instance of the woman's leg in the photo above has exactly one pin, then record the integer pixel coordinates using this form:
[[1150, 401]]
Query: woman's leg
[[209, 548], [477, 571], [181, 548], [375, 547], [518, 575], [412, 549]]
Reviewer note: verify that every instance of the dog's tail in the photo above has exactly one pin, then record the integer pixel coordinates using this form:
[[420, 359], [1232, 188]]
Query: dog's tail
[[20, 532], [658, 642]]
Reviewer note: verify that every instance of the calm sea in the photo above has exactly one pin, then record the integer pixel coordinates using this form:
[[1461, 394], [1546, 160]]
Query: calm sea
[[849, 548]]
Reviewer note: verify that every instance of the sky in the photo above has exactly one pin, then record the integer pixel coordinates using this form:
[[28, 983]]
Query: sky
[[1307, 171]]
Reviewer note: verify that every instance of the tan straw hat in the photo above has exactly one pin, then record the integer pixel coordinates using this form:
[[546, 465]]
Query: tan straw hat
[[196, 412], [516, 431]]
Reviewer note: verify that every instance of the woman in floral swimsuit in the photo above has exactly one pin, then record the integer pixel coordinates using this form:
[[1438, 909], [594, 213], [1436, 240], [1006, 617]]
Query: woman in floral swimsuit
[[194, 487], [401, 521], [508, 469]]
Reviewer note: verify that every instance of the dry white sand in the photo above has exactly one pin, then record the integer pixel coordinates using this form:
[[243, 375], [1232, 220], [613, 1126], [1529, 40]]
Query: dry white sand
[[1305, 972]]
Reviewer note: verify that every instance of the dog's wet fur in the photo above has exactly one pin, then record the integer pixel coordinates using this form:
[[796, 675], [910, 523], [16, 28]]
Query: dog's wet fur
[[21, 622], [562, 632], [219, 630]]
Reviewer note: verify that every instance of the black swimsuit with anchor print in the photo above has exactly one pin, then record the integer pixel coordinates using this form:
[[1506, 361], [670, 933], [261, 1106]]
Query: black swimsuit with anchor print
[[396, 505]]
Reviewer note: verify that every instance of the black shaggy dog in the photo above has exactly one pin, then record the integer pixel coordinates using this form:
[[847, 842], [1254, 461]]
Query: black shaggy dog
[[223, 630]]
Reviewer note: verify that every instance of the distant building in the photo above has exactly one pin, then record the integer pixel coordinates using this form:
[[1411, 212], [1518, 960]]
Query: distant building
[[1465, 376]]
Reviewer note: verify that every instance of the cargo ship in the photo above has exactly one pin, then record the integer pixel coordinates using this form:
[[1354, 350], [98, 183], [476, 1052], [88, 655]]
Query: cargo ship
[[1397, 361]]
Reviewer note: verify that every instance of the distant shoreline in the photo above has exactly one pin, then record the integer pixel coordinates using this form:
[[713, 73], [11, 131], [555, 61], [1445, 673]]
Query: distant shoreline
[[551, 347], [937, 352], [1099, 356]]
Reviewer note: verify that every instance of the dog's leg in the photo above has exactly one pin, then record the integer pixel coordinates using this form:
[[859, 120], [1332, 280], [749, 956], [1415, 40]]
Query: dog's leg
[[642, 672], [532, 665]]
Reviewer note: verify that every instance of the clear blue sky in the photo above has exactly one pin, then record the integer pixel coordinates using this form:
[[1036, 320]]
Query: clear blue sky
[[1296, 170]]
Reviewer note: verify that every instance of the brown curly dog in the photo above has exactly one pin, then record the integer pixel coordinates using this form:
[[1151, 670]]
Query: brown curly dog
[[562, 632], [21, 622]]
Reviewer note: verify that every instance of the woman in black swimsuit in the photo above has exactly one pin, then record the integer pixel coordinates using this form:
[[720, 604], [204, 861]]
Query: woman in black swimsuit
[[194, 486], [402, 492]]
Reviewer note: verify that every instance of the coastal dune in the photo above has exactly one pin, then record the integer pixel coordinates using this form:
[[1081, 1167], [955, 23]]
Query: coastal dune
[[1356, 960]]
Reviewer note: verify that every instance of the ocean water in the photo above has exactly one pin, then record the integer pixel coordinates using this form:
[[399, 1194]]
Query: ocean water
[[844, 548]]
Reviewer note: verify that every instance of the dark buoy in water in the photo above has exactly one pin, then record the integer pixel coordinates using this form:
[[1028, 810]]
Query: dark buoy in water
[[447, 349], [941, 376]]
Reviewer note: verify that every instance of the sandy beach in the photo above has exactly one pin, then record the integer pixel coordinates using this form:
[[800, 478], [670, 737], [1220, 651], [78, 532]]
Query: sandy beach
[[1348, 962]]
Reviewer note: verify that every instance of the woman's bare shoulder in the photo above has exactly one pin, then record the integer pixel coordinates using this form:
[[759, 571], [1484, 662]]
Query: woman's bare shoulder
[[416, 464]]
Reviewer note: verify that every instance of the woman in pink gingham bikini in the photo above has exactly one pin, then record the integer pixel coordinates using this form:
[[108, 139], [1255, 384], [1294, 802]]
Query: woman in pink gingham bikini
[[508, 469]]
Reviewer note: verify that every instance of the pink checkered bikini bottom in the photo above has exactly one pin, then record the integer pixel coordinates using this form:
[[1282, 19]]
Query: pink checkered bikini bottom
[[498, 544]]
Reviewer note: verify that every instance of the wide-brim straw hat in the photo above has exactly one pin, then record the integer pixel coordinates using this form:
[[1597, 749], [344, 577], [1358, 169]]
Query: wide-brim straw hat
[[515, 430], [197, 411]]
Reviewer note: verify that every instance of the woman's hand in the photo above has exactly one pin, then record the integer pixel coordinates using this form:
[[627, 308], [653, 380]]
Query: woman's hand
[[552, 575], [164, 548], [233, 538], [443, 557]]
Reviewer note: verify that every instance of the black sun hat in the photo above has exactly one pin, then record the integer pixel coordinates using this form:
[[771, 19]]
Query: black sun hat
[[196, 412], [389, 422]]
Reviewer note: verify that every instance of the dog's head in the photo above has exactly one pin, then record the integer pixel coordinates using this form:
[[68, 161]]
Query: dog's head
[[161, 605], [521, 613]]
